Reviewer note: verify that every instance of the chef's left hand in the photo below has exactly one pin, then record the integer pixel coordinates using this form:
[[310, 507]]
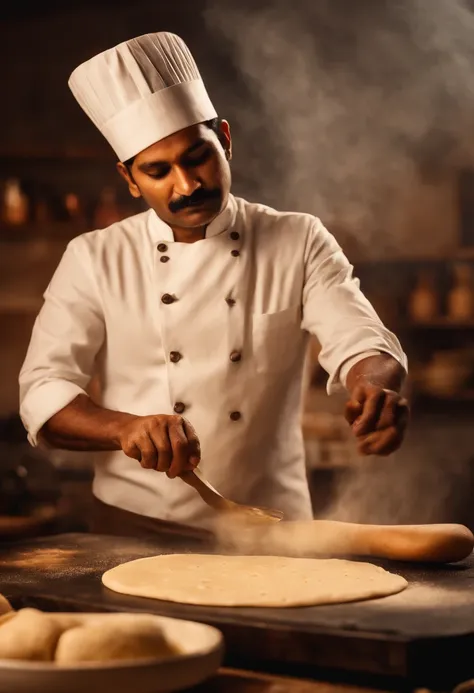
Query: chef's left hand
[[378, 418]]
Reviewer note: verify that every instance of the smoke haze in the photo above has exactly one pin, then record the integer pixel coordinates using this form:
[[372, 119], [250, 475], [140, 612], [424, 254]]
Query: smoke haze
[[351, 102]]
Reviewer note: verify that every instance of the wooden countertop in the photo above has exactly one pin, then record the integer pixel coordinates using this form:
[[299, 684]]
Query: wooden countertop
[[424, 636], [235, 681]]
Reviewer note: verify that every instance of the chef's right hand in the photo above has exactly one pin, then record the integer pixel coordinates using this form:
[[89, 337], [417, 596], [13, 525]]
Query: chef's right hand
[[165, 443]]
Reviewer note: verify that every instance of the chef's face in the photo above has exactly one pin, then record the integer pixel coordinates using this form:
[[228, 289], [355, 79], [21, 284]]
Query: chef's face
[[185, 177]]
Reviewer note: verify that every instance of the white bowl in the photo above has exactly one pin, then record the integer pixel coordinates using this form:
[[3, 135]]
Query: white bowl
[[202, 652]]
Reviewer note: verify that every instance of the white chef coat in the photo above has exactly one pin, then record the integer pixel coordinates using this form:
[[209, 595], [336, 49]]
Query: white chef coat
[[258, 284]]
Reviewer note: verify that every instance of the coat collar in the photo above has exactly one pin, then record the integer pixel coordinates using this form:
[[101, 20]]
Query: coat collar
[[160, 231]]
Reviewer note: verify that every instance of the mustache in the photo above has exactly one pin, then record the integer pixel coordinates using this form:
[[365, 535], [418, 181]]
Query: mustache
[[198, 196]]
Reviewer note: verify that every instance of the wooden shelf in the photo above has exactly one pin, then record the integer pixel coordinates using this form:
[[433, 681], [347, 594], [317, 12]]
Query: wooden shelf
[[462, 396], [85, 155], [11, 305], [455, 255], [466, 254], [440, 324], [53, 230], [49, 230], [461, 401]]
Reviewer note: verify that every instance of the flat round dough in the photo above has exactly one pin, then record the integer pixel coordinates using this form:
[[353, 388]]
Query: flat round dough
[[263, 581]]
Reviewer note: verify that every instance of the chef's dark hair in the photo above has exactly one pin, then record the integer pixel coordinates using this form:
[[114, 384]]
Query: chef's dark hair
[[214, 124]]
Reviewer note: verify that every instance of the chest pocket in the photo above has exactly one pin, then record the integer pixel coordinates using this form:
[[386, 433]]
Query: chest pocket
[[276, 339]]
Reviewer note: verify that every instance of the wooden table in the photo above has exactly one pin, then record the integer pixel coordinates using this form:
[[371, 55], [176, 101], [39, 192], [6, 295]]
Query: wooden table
[[423, 637], [236, 681]]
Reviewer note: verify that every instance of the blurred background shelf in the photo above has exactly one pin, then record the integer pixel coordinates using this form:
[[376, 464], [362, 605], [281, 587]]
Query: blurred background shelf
[[16, 305], [439, 324], [433, 399], [82, 155], [37, 232]]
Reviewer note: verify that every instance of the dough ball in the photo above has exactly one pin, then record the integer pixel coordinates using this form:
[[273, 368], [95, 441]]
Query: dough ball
[[29, 635], [114, 638], [67, 621], [5, 605], [6, 617]]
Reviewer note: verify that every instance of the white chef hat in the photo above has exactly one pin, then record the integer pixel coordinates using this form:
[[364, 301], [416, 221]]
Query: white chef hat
[[141, 91]]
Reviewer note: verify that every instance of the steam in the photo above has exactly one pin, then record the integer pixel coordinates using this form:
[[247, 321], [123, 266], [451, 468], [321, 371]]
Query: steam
[[404, 491], [340, 108], [236, 534], [344, 105]]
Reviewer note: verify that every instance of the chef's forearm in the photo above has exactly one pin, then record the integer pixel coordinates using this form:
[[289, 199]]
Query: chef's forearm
[[83, 425], [381, 370]]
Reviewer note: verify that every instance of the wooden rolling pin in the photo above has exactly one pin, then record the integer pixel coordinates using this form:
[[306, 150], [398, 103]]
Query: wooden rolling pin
[[442, 543]]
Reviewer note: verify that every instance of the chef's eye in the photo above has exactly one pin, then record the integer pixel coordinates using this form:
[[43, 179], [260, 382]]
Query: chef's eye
[[159, 173], [200, 158]]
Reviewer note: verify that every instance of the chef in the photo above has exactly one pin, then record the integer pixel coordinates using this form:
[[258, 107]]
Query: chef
[[196, 315]]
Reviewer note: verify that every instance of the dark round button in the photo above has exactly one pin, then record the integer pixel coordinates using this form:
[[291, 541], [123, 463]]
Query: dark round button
[[175, 356], [235, 253], [235, 356], [235, 415], [230, 301], [164, 258], [235, 235], [168, 298], [179, 407], [162, 247]]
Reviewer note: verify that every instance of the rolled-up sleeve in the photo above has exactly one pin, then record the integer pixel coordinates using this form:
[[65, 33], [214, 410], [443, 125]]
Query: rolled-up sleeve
[[337, 313], [67, 335]]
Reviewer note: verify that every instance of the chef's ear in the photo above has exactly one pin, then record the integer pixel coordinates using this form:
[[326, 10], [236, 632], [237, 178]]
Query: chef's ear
[[225, 138], [125, 170]]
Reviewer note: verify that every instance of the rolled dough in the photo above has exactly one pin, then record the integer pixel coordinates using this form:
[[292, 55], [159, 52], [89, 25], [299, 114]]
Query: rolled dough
[[261, 581]]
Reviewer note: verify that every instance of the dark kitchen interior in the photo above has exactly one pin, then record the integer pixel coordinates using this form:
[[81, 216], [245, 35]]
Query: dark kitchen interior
[[363, 113]]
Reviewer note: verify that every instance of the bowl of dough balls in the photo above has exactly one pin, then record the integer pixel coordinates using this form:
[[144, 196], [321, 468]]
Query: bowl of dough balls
[[119, 652]]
